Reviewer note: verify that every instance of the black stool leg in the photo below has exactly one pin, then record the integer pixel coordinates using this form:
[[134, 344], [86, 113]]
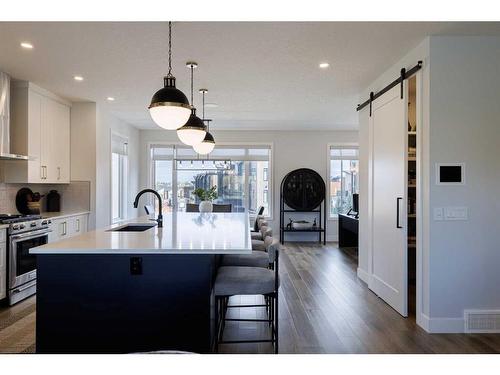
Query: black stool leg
[[276, 324], [216, 330]]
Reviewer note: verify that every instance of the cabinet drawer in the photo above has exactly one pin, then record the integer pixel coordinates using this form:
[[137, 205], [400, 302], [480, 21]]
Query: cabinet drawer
[[59, 230], [3, 235], [77, 225]]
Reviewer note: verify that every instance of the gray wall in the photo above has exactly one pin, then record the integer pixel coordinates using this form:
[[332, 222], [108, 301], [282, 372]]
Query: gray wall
[[460, 123], [465, 127]]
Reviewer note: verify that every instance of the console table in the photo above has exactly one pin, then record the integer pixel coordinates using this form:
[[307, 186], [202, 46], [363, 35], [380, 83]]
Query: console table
[[348, 231]]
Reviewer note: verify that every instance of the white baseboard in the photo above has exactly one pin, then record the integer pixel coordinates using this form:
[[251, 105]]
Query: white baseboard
[[442, 325], [363, 275]]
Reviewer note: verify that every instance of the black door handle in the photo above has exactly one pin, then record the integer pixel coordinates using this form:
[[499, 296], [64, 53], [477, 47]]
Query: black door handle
[[397, 212]]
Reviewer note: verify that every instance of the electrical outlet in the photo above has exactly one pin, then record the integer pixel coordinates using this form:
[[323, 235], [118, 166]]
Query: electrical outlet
[[438, 213], [136, 266]]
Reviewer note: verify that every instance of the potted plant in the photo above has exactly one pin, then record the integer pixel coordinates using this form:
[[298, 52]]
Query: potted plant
[[206, 197]]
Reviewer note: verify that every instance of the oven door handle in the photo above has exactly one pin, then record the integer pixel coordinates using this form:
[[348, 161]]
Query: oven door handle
[[30, 234], [20, 289]]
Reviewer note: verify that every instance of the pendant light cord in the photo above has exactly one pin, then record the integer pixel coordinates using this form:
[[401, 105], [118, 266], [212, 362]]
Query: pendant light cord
[[192, 70], [203, 110], [169, 74]]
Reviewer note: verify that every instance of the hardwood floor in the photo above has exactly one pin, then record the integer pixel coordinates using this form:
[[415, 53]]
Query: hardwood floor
[[17, 327], [324, 308]]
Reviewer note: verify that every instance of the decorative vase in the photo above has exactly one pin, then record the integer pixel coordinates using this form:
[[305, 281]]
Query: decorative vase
[[206, 206]]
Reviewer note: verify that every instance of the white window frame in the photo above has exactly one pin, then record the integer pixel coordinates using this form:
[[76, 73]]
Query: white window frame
[[246, 145], [329, 146], [123, 184]]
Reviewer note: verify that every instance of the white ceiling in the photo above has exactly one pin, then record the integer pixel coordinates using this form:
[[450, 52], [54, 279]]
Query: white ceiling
[[261, 75]]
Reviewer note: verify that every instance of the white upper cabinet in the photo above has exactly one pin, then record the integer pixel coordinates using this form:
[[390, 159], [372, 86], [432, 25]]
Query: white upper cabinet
[[40, 128]]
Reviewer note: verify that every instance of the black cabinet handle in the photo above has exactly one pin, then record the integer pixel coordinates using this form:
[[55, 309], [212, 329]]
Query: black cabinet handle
[[397, 212]]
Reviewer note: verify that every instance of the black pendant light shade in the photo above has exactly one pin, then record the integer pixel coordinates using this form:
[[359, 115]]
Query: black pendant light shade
[[169, 107], [209, 138], [193, 131]]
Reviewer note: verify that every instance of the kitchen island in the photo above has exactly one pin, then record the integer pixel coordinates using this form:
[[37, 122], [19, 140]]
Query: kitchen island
[[119, 291]]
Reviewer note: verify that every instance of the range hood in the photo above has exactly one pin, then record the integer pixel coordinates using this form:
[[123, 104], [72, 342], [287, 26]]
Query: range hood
[[5, 120]]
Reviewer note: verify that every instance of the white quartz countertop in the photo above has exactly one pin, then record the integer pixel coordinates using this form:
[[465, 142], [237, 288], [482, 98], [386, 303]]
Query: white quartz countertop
[[182, 233], [54, 215], [62, 214]]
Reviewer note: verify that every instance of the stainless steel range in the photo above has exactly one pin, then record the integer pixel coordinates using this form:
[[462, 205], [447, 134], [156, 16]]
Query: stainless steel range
[[24, 233]]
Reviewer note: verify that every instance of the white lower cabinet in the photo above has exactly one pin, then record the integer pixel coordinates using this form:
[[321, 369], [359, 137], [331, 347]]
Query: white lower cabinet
[[68, 227], [3, 265]]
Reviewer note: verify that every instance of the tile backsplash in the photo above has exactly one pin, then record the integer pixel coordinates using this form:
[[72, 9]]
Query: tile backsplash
[[75, 196]]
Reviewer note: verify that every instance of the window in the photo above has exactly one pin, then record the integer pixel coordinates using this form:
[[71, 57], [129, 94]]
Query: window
[[119, 178], [241, 174], [162, 163], [344, 178]]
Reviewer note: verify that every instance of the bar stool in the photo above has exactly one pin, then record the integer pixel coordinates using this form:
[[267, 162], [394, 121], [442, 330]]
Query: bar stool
[[232, 281], [256, 259], [260, 245], [258, 235], [255, 227], [221, 208], [192, 207]]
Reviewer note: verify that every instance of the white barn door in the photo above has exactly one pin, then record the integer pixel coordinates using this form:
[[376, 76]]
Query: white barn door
[[389, 122]]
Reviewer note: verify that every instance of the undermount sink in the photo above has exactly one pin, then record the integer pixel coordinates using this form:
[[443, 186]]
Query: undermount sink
[[133, 228]]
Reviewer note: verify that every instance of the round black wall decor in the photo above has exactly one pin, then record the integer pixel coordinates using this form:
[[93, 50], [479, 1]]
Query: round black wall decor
[[303, 189]]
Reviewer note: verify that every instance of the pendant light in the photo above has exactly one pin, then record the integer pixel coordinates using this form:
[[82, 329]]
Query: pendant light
[[207, 145], [194, 130], [169, 106]]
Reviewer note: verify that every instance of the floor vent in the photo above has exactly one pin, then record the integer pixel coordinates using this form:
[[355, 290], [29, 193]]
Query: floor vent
[[482, 321]]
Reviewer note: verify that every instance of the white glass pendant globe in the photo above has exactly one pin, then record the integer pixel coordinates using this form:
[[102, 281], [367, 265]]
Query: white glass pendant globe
[[191, 137], [204, 148], [170, 117]]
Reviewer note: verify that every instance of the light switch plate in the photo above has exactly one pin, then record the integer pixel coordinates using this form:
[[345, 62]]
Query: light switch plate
[[438, 213], [455, 213]]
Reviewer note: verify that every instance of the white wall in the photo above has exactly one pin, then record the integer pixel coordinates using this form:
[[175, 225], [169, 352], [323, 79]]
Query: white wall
[[465, 127], [292, 150], [83, 149], [106, 124], [91, 129]]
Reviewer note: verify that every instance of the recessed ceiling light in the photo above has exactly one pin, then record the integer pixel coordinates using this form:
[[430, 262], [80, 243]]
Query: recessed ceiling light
[[27, 45], [78, 78], [211, 105], [110, 99], [324, 65]]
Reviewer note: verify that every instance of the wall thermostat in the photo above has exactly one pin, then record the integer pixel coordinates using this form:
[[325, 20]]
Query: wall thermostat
[[450, 173]]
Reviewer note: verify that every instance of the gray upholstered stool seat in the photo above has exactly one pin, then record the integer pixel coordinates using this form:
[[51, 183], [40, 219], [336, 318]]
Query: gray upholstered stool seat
[[232, 281], [256, 235], [258, 245], [256, 259], [262, 234]]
